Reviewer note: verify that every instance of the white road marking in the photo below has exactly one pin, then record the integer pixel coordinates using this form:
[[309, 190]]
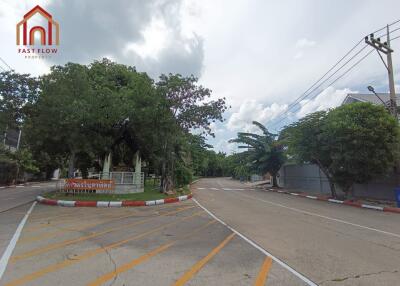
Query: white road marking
[[201, 188], [322, 216], [36, 186], [2, 187], [277, 260], [20, 186], [215, 189], [294, 194], [7, 253]]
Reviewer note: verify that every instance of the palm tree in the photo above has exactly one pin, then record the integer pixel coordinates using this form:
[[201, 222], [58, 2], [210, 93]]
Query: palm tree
[[264, 153]]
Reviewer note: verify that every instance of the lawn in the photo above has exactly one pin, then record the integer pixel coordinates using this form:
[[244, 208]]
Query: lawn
[[151, 192]]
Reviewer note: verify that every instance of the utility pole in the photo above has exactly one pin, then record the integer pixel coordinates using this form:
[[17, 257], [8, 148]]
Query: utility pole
[[385, 48]]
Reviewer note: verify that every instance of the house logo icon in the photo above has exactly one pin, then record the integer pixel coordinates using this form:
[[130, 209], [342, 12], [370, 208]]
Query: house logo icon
[[49, 35]]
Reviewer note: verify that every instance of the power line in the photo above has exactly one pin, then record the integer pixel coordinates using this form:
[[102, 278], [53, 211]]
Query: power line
[[342, 75], [6, 63], [307, 93]]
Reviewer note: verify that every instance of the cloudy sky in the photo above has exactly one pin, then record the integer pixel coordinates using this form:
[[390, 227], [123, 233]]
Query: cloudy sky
[[260, 55]]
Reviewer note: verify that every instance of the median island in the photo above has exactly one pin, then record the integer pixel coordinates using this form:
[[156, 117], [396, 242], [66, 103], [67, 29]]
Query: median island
[[151, 192]]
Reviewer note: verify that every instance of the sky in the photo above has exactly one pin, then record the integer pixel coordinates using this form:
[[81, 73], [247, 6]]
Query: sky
[[259, 55]]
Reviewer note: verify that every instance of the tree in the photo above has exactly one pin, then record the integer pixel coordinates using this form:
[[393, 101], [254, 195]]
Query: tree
[[183, 108], [305, 142], [364, 141], [17, 93], [264, 152], [351, 144]]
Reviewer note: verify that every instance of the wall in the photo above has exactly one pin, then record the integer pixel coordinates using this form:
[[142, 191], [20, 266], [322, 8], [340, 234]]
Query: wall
[[309, 178]]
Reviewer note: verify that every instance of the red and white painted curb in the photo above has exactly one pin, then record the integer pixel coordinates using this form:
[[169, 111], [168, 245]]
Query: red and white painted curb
[[347, 203], [106, 204]]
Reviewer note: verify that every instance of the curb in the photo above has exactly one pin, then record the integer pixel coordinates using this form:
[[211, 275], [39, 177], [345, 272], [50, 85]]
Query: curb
[[330, 200], [106, 204]]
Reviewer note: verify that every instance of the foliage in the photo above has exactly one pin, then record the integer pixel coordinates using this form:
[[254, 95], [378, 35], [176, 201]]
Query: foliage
[[183, 108], [264, 153], [17, 93], [363, 143], [77, 114], [351, 144]]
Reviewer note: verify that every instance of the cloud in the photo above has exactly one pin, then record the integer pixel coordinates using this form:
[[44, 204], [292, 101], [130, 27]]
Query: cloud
[[301, 45], [305, 43], [146, 34], [328, 98], [252, 110]]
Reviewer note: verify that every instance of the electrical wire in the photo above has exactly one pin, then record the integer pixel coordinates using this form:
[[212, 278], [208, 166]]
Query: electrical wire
[[317, 84]]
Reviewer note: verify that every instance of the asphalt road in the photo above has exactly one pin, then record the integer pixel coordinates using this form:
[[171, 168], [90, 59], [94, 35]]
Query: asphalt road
[[11, 197], [328, 243], [175, 244], [268, 239]]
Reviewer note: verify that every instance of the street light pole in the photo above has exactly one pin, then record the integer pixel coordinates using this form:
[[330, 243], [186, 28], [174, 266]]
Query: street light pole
[[385, 48]]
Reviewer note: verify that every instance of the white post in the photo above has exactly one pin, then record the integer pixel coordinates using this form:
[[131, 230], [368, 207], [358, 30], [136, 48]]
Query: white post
[[106, 166], [138, 169]]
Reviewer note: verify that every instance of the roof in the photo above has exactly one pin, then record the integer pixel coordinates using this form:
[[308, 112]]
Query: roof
[[369, 97]]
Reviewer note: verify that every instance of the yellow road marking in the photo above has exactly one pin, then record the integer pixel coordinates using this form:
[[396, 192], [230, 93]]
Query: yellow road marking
[[46, 223], [108, 276], [63, 230], [88, 254], [32, 228], [263, 274], [53, 246], [196, 268]]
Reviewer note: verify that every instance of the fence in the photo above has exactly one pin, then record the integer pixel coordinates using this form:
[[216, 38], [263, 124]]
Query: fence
[[309, 178], [125, 182]]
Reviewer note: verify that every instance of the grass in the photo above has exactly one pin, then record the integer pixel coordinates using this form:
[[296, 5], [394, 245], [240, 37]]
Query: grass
[[151, 192]]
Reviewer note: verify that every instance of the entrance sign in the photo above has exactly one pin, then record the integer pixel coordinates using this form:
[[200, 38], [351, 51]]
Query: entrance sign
[[89, 184]]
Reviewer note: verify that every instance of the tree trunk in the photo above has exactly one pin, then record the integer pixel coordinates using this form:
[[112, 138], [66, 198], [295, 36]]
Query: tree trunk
[[333, 188], [274, 181], [331, 183], [71, 165]]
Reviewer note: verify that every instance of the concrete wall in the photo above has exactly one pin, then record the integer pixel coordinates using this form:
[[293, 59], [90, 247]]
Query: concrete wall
[[309, 178]]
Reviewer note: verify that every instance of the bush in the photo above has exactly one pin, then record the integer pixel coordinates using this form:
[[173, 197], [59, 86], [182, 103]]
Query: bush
[[183, 175], [8, 170]]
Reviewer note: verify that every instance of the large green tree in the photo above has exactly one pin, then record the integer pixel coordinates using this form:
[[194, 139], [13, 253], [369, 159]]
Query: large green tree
[[351, 144], [363, 142]]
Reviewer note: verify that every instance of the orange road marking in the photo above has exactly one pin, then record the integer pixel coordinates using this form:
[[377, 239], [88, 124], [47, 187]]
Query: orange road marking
[[196, 268], [63, 230], [106, 277], [46, 223], [264, 270], [50, 247], [32, 228], [88, 254]]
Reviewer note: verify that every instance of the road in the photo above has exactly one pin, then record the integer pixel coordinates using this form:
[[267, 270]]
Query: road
[[330, 244], [11, 197], [230, 234], [14, 203]]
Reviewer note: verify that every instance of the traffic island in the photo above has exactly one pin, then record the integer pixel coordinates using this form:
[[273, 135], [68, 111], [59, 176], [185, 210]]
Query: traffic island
[[151, 196]]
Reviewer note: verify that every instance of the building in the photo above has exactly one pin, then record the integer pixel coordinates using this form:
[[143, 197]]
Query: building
[[370, 97], [11, 139]]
